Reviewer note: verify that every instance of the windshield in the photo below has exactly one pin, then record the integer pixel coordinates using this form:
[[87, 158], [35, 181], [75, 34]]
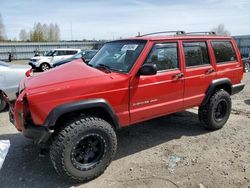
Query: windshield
[[4, 64], [118, 55], [49, 53]]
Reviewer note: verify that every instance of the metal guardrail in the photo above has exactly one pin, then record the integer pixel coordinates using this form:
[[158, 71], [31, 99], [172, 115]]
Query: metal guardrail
[[243, 43], [26, 50]]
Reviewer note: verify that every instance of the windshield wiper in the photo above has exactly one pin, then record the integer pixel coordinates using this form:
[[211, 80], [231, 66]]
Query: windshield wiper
[[106, 67]]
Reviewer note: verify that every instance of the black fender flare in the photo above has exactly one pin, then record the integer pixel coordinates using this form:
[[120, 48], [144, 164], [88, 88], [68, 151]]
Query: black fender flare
[[215, 83], [81, 105]]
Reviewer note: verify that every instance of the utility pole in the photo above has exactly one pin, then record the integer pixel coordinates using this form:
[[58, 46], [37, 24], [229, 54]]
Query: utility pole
[[71, 33]]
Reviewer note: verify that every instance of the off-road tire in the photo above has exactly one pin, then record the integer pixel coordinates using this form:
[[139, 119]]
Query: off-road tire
[[64, 143], [2, 103], [207, 112]]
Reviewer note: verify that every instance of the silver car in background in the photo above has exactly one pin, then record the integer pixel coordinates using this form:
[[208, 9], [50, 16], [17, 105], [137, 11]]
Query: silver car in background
[[10, 77]]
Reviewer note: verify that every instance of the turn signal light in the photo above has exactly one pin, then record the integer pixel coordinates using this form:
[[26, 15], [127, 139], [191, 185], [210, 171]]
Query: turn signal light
[[29, 73]]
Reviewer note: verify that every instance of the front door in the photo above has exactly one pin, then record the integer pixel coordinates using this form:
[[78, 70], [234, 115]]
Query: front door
[[160, 94]]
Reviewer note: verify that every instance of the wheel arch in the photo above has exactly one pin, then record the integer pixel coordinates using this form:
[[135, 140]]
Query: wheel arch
[[44, 62], [98, 107], [222, 83]]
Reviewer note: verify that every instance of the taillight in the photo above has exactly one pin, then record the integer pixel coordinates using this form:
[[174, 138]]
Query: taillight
[[29, 73]]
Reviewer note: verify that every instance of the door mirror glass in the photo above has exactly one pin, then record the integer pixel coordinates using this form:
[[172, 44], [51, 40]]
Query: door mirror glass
[[148, 69]]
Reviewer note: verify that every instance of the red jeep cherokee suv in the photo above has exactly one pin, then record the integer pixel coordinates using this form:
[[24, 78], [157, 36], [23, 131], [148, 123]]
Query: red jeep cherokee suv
[[77, 108]]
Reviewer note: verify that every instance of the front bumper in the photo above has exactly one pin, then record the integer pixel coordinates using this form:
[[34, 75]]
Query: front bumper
[[237, 88], [39, 134], [33, 64]]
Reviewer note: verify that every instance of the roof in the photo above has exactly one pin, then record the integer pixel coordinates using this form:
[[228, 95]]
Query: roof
[[176, 37]]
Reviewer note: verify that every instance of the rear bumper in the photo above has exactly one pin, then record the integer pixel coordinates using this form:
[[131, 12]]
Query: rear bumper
[[237, 88], [39, 134]]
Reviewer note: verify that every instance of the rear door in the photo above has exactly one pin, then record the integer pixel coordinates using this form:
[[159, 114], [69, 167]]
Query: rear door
[[199, 71], [160, 94], [227, 64]]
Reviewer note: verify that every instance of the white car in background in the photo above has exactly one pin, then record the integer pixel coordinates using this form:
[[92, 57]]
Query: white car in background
[[46, 61], [10, 77]]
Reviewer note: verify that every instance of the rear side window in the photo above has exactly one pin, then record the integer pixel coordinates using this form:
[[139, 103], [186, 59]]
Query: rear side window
[[164, 55], [59, 53], [196, 53], [71, 52], [223, 51]]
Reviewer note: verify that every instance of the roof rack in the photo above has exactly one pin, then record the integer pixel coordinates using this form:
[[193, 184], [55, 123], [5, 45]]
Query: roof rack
[[201, 33], [176, 32]]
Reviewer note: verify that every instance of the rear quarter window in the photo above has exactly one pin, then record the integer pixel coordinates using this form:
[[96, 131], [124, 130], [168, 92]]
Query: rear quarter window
[[223, 51]]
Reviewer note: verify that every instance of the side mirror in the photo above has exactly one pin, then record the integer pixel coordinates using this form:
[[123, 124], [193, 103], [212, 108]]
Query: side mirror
[[148, 69]]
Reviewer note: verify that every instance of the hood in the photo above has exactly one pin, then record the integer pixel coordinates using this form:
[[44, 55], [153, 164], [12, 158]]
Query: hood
[[59, 76]]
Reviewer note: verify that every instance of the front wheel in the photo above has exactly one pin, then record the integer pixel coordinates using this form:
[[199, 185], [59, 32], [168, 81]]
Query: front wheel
[[216, 112], [83, 149]]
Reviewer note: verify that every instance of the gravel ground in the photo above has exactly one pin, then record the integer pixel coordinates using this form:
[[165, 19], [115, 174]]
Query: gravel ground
[[172, 151]]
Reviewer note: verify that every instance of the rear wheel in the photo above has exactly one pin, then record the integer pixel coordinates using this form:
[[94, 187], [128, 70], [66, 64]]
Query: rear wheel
[[83, 149], [44, 66], [216, 112], [2, 103]]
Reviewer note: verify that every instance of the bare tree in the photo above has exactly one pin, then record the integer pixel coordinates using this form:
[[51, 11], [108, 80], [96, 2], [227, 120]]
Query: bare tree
[[23, 35], [57, 32], [43, 33], [51, 32], [220, 29], [2, 30]]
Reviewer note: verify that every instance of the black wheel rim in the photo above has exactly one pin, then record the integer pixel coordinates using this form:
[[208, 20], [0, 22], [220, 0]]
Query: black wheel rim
[[88, 152], [220, 111]]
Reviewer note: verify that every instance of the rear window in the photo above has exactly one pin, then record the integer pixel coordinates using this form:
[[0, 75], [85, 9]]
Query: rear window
[[196, 54], [223, 51]]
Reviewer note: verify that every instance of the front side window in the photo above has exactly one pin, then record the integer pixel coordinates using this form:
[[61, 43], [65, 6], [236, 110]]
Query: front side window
[[164, 55], [196, 54], [118, 55], [223, 51], [49, 53]]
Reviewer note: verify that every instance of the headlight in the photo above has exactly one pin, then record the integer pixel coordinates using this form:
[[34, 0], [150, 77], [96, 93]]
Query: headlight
[[34, 60]]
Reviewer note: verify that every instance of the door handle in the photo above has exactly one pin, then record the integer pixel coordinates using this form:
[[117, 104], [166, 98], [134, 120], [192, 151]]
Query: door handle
[[209, 71], [178, 76]]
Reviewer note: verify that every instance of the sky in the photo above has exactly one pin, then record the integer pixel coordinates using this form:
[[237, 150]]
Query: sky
[[111, 19]]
